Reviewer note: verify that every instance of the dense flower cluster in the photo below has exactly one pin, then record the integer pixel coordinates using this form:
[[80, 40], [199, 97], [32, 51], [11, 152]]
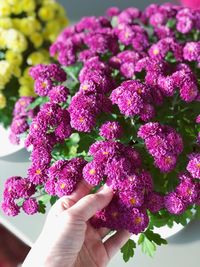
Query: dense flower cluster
[[120, 168], [64, 176], [131, 92], [27, 28], [163, 143], [95, 81], [21, 114], [17, 188], [186, 193]]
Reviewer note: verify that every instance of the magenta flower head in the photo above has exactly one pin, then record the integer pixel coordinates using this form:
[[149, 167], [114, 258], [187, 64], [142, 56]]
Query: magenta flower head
[[111, 130], [194, 165], [119, 107], [174, 204], [30, 206]]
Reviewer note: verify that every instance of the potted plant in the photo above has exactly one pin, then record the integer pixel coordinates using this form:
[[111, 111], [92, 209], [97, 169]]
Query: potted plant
[[120, 107]]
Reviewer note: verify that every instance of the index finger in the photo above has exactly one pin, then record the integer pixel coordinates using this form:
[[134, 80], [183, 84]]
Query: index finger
[[86, 207], [66, 202]]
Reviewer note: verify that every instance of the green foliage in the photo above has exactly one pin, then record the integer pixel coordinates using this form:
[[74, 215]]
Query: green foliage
[[159, 219], [171, 23], [11, 94], [44, 198], [185, 217], [73, 71], [148, 241], [38, 102], [42, 207], [53, 200], [128, 250], [68, 149], [86, 140]]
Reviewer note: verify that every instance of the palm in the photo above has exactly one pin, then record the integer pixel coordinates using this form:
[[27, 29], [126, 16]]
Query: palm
[[93, 252]]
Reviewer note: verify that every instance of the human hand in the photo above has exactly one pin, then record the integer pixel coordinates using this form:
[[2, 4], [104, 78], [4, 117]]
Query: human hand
[[69, 240]]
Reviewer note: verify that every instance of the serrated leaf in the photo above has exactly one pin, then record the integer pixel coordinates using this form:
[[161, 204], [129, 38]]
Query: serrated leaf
[[148, 247], [128, 250], [141, 239], [156, 238], [148, 241]]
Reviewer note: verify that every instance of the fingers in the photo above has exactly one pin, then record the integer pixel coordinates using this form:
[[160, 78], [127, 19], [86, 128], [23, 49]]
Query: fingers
[[103, 232], [85, 208], [68, 201], [115, 242]]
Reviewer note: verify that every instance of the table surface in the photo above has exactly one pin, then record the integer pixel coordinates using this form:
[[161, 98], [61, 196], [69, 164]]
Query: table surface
[[182, 250]]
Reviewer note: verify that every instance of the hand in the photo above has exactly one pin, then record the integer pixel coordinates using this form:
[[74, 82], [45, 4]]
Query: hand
[[69, 240]]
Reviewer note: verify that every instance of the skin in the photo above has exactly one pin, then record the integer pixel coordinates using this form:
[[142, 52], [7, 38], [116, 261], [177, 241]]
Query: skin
[[69, 240]]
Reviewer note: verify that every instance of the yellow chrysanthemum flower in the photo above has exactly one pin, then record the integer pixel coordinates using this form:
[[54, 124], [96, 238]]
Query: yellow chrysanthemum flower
[[13, 57], [26, 84], [27, 29], [37, 39], [5, 73], [5, 8], [29, 26], [6, 23], [15, 41], [39, 57], [2, 101]]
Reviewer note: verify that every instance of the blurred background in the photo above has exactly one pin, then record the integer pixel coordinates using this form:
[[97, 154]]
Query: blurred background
[[75, 10]]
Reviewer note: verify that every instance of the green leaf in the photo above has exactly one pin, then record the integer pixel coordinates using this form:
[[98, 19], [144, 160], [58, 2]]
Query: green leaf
[[38, 102], [114, 21], [148, 247], [148, 241], [197, 214], [156, 238], [42, 207], [11, 94], [53, 200], [128, 250], [171, 23], [85, 141], [73, 71], [185, 217], [20, 202], [159, 220], [45, 199]]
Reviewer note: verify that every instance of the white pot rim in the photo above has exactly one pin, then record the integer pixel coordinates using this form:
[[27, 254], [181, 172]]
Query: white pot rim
[[6, 147]]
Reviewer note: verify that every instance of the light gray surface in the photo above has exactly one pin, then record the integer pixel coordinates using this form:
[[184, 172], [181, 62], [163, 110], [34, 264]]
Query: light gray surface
[[29, 226], [182, 250]]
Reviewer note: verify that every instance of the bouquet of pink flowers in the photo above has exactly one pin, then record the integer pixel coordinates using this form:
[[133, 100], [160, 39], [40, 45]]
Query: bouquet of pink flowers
[[120, 107]]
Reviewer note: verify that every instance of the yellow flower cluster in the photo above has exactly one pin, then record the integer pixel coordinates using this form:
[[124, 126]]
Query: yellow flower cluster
[[27, 28]]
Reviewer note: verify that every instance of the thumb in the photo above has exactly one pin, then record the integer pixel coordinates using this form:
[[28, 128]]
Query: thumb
[[86, 208]]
